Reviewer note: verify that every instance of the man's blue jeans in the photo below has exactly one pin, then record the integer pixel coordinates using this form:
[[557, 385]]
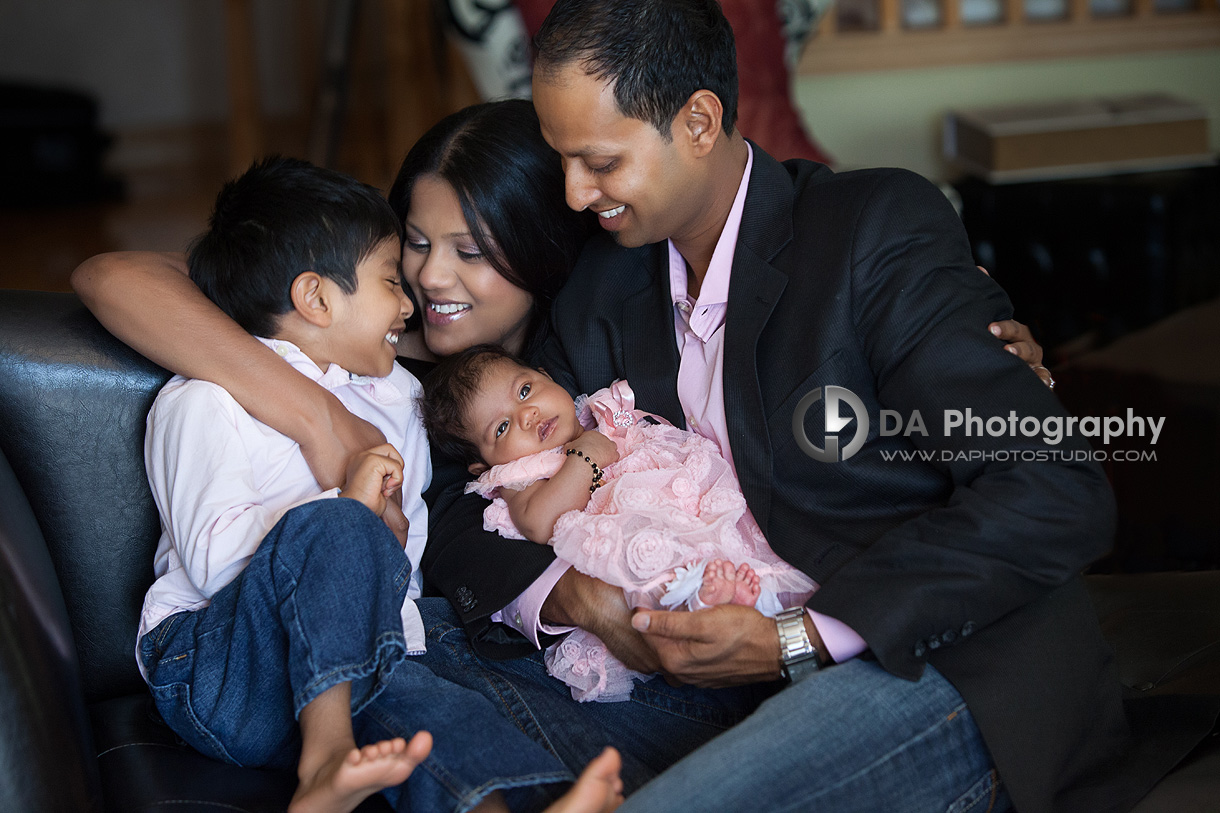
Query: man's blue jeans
[[849, 738], [318, 605], [658, 726]]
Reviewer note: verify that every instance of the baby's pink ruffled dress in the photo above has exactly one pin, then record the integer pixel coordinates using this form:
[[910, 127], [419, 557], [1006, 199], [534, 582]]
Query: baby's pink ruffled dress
[[668, 506]]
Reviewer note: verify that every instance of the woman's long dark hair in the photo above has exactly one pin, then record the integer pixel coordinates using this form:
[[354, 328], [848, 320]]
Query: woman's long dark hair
[[510, 187]]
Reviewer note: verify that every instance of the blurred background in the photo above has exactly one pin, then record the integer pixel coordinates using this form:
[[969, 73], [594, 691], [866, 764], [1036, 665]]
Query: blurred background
[[1077, 137]]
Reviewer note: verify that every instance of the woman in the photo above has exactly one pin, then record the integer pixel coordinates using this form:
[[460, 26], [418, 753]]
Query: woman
[[490, 241]]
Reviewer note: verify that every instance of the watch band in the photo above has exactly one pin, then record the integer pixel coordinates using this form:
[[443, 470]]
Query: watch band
[[798, 656]]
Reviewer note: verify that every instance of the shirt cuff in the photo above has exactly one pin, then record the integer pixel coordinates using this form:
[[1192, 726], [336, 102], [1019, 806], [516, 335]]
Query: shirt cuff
[[328, 494], [842, 642], [524, 612]]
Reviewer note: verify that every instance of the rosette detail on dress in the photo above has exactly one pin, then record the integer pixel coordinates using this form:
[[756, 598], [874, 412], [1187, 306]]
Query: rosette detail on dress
[[669, 505]]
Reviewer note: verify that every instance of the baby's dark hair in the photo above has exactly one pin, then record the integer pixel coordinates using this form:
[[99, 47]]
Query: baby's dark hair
[[449, 392], [281, 218]]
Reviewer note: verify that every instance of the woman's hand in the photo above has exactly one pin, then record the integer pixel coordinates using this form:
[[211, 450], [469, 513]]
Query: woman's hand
[[334, 439], [1020, 342]]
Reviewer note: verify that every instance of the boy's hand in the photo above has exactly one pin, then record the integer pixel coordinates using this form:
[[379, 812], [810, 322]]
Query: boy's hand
[[373, 476], [597, 446], [395, 518]]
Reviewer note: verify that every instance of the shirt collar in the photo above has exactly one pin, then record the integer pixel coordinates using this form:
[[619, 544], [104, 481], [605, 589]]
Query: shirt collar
[[335, 377], [715, 288]]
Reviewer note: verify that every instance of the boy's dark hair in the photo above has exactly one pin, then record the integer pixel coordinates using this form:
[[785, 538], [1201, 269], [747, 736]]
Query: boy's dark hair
[[510, 186], [655, 52], [281, 218], [449, 392]]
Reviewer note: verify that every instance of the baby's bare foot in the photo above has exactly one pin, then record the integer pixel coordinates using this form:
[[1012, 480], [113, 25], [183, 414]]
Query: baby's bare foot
[[719, 583], [598, 790], [343, 782], [746, 587]]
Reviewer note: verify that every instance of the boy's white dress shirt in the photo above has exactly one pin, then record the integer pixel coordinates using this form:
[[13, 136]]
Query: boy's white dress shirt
[[222, 480]]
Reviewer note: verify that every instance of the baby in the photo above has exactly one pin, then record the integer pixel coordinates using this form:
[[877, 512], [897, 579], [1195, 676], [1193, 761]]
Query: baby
[[625, 498]]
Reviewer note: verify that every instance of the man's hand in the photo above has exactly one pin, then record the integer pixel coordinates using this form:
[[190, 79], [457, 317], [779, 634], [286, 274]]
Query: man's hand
[[336, 438], [726, 645], [582, 601]]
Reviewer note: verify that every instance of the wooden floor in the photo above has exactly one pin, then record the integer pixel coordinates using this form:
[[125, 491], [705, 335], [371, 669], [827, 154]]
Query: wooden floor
[[165, 201], [163, 210]]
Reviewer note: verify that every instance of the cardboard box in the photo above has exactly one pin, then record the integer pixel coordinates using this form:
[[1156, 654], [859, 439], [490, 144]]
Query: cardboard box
[[1077, 138]]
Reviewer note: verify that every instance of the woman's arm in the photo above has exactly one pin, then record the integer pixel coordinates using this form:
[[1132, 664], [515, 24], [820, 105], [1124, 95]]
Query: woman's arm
[[147, 300]]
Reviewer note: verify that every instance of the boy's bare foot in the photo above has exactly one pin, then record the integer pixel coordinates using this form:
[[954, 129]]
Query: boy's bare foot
[[724, 584], [598, 790], [340, 783]]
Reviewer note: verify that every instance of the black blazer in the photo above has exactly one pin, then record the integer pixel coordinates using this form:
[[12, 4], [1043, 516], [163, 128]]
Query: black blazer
[[865, 280]]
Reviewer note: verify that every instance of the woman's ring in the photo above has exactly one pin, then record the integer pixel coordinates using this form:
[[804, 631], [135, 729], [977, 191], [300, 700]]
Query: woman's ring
[[1050, 382]]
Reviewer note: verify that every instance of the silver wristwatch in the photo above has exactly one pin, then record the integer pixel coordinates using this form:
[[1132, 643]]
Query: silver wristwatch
[[799, 657]]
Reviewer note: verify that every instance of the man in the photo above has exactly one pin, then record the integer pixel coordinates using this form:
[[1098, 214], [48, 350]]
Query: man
[[951, 640]]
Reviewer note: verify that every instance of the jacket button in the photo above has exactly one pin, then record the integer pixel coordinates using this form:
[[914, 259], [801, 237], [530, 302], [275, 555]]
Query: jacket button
[[920, 649], [465, 599], [933, 642], [948, 636], [967, 628]]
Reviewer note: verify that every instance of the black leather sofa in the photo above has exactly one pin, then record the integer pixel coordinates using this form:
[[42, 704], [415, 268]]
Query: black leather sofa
[[78, 731]]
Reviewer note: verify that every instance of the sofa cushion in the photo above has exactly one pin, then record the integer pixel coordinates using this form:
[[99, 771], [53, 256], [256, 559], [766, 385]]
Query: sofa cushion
[[73, 407], [49, 764]]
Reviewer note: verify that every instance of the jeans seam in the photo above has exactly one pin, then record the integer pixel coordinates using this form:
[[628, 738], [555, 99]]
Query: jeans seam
[[991, 798], [181, 695], [646, 696], [955, 714], [473, 797], [467, 798], [509, 705], [348, 672]]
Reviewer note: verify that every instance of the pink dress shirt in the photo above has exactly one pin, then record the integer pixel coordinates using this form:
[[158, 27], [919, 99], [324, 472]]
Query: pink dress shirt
[[699, 331]]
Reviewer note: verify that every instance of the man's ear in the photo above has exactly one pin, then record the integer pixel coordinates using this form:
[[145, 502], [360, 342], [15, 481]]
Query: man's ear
[[311, 298], [699, 121], [476, 468]]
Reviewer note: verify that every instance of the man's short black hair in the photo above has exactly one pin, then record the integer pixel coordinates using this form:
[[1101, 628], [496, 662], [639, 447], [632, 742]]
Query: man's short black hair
[[449, 392], [656, 52], [279, 219]]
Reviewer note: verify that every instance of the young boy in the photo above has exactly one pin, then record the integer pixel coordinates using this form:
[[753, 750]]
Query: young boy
[[275, 602]]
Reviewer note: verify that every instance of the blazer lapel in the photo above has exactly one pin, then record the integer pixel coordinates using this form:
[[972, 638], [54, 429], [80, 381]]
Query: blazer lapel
[[650, 349], [754, 289]]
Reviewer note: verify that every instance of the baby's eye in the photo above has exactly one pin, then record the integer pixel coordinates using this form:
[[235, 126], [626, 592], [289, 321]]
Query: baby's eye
[[502, 428], [525, 391]]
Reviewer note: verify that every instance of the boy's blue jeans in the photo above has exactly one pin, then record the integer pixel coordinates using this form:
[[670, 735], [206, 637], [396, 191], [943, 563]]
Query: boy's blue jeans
[[318, 605]]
